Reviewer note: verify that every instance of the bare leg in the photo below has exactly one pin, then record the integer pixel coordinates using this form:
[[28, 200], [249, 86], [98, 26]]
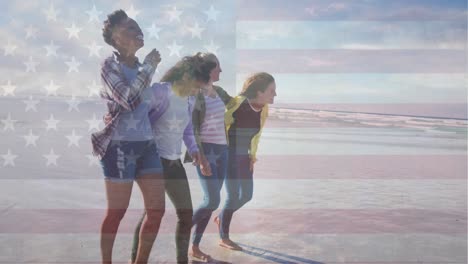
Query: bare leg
[[152, 188], [118, 197], [226, 242]]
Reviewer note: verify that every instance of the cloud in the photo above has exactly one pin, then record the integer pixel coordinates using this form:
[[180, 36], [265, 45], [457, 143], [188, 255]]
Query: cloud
[[319, 9], [336, 7], [351, 35]]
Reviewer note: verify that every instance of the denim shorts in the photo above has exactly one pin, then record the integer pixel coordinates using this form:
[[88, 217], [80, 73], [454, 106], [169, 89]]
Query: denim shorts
[[125, 161]]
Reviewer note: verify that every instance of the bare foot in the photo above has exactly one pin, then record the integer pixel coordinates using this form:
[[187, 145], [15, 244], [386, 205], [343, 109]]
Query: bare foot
[[229, 244], [196, 253]]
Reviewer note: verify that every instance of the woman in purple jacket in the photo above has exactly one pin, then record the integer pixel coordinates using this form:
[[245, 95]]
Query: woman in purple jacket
[[171, 120]]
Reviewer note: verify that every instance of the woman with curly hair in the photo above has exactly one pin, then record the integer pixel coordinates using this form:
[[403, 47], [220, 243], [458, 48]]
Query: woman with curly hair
[[126, 149]]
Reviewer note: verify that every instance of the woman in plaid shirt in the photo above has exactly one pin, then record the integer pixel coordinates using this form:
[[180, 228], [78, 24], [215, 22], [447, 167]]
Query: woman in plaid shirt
[[126, 145]]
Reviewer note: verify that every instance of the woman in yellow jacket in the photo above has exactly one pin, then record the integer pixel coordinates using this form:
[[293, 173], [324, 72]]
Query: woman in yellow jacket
[[245, 117]]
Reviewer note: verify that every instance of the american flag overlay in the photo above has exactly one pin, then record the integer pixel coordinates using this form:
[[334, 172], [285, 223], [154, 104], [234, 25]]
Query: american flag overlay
[[363, 158]]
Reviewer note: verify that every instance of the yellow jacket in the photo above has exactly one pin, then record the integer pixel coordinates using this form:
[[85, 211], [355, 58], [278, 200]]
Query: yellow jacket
[[231, 107]]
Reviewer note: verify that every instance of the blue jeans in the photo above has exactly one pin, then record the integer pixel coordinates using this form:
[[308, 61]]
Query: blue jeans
[[217, 156], [239, 187]]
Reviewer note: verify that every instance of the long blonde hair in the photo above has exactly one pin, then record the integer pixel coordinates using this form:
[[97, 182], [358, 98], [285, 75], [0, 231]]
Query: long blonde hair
[[255, 83]]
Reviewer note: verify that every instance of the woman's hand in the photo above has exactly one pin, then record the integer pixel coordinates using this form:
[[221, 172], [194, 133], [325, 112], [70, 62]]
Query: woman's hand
[[107, 118], [252, 162], [195, 158], [205, 166], [153, 58]]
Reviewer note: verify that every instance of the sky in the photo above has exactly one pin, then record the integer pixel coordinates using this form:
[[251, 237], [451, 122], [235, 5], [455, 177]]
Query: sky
[[320, 52]]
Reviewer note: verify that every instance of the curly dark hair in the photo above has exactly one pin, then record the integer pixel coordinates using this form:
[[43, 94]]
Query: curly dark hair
[[195, 66], [113, 19]]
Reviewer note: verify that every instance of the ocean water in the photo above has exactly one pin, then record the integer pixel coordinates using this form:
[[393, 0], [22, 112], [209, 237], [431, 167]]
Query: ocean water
[[287, 133]]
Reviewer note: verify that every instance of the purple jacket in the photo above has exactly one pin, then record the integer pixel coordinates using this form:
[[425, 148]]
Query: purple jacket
[[160, 105]]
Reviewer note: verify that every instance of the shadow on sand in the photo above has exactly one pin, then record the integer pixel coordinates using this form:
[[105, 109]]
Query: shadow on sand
[[212, 261], [275, 256]]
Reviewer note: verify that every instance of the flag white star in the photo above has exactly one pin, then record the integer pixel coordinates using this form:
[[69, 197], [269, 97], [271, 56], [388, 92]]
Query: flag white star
[[31, 32], [174, 14], [211, 157], [51, 13], [14, 22], [73, 104], [93, 123], [94, 14], [211, 13], [132, 12], [175, 49], [73, 139], [93, 160], [73, 31], [131, 158], [8, 89], [94, 89], [31, 65], [212, 47], [31, 139], [153, 31], [51, 123], [131, 123], [51, 158], [175, 124], [73, 65], [51, 49], [31, 104], [9, 159], [9, 123], [196, 30], [94, 49], [9, 49], [51, 88]]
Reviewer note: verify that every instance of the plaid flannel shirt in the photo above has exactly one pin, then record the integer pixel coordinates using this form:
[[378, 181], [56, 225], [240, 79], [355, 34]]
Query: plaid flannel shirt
[[120, 95]]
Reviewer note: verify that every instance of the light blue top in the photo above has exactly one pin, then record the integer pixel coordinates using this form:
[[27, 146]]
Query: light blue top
[[135, 125]]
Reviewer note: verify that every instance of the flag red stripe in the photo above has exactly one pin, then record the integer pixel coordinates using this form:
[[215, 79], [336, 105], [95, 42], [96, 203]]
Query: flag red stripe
[[424, 167], [351, 61], [360, 10], [292, 167], [406, 110], [292, 221]]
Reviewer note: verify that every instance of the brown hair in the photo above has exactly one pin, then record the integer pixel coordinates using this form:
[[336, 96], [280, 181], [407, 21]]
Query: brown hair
[[187, 70], [255, 83], [193, 66], [207, 56]]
